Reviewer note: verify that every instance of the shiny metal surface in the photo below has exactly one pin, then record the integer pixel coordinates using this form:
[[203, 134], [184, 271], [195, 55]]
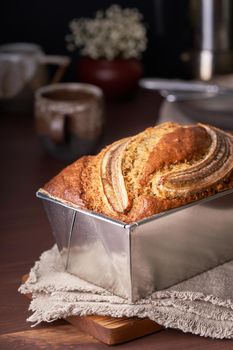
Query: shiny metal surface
[[214, 27], [181, 244], [60, 219], [211, 23], [100, 253], [181, 86], [136, 259], [180, 90]]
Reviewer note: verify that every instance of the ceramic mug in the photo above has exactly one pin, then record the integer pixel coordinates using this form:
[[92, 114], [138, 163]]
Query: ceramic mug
[[69, 118], [23, 70]]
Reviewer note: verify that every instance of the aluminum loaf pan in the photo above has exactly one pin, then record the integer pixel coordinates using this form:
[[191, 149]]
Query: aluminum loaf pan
[[133, 260]]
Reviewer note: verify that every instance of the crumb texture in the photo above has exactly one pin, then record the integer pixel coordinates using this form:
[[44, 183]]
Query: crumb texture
[[161, 168]]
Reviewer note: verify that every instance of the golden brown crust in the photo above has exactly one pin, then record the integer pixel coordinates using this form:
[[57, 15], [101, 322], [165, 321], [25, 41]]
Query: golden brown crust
[[150, 205], [182, 144], [67, 185], [159, 169]]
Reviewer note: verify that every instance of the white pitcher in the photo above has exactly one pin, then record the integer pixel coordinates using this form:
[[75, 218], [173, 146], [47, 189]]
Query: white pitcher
[[23, 70]]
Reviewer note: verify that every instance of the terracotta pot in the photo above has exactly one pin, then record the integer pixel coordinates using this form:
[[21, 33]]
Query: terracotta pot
[[117, 78]]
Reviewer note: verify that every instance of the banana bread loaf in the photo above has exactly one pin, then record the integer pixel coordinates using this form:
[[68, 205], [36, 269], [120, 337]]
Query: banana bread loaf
[[163, 167]]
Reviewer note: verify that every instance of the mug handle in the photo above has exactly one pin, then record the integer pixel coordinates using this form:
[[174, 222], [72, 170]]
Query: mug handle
[[56, 128], [61, 61]]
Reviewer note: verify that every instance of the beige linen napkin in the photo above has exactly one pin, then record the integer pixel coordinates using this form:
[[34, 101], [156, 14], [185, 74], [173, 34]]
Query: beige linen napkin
[[201, 305]]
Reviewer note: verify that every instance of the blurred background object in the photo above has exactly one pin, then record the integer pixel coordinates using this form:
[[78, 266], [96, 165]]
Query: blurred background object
[[69, 118], [22, 71], [118, 78], [189, 102], [110, 59], [175, 29], [179, 39], [46, 23], [216, 111], [212, 52]]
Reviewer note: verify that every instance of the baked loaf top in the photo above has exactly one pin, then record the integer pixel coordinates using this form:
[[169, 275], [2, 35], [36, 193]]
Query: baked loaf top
[[163, 167]]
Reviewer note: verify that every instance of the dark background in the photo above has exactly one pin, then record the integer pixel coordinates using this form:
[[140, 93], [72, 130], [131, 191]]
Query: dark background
[[46, 23]]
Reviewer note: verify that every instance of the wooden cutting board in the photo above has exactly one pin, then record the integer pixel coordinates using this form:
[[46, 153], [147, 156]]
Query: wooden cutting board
[[110, 330]]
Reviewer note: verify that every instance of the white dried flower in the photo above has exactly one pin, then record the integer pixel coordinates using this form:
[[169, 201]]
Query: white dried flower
[[115, 33]]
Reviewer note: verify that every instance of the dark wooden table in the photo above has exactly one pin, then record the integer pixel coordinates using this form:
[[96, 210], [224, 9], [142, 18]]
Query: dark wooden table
[[25, 232]]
